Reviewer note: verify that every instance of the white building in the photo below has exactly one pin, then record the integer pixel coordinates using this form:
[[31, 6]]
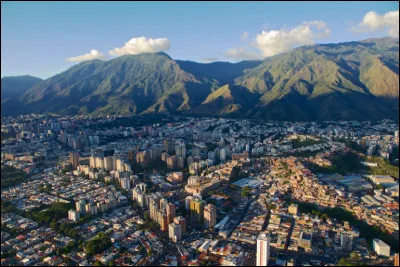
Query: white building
[[73, 215], [175, 232], [222, 154], [125, 183], [262, 250], [381, 248]]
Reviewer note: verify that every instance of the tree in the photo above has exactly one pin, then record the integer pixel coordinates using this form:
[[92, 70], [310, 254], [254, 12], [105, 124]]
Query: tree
[[354, 255], [344, 262], [246, 191]]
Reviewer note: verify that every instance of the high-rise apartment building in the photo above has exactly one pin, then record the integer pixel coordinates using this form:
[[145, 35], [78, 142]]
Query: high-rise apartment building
[[73, 215], [346, 241], [171, 162], [180, 150], [197, 211], [174, 232], [74, 159], [170, 212], [182, 222], [263, 250], [210, 216]]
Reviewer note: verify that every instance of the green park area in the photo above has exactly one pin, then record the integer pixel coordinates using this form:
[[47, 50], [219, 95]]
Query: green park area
[[11, 176]]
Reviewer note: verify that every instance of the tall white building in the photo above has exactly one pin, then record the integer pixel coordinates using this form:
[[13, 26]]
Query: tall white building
[[73, 215], [263, 250], [222, 154], [99, 162], [92, 162], [125, 183], [119, 165], [175, 232], [180, 150], [381, 248]]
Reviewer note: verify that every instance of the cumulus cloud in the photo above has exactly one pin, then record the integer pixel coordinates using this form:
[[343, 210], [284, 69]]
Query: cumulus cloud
[[241, 54], [141, 45], [244, 36], [93, 54], [374, 22], [277, 41]]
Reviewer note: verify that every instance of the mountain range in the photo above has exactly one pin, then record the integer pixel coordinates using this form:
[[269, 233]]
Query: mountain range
[[16, 86], [356, 80]]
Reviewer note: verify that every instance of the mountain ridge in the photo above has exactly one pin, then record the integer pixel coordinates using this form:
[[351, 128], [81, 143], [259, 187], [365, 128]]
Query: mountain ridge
[[357, 79]]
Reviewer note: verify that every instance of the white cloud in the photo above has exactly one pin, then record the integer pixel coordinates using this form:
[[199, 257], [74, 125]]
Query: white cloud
[[141, 45], [93, 54], [244, 36], [241, 54], [278, 41], [373, 22]]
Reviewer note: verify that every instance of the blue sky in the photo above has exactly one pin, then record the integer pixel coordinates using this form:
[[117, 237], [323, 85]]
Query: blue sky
[[38, 37]]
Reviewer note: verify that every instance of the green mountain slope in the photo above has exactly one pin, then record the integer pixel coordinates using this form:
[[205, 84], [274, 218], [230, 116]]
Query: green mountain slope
[[228, 100], [353, 80], [16, 86], [128, 84], [336, 81]]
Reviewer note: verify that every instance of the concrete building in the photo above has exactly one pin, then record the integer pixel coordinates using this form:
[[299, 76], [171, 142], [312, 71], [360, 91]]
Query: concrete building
[[187, 202], [73, 215], [125, 183], [210, 216], [305, 241], [170, 212], [174, 232], [182, 222], [197, 211], [293, 209], [222, 154], [109, 163], [74, 159], [346, 241], [263, 250], [171, 162], [381, 248], [91, 209], [80, 206], [180, 150], [175, 177], [180, 162]]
